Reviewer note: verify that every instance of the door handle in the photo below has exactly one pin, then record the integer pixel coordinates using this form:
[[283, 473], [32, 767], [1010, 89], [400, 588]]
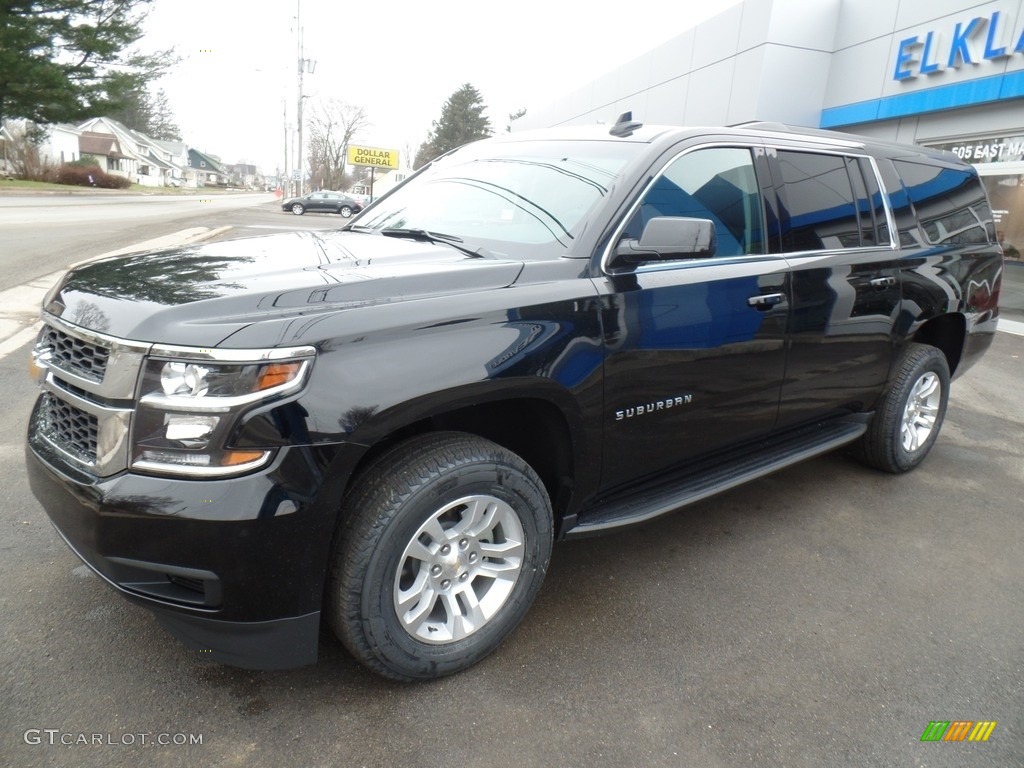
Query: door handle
[[883, 282], [766, 301]]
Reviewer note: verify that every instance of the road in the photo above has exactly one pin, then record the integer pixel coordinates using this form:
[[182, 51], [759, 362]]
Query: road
[[42, 235], [820, 616]]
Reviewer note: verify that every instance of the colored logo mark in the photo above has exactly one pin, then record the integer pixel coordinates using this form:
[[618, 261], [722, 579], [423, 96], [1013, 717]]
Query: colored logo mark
[[958, 730]]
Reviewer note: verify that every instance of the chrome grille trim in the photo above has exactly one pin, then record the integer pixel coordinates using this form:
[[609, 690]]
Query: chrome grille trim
[[122, 365], [110, 453], [86, 377], [74, 355], [69, 429]]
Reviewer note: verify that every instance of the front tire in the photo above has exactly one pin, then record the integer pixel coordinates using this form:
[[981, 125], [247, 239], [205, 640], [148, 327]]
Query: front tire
[[446, 541], [298, 209], [910, 414]]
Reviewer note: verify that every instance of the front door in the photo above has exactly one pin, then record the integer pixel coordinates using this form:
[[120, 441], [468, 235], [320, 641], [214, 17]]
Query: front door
[[695, 349]]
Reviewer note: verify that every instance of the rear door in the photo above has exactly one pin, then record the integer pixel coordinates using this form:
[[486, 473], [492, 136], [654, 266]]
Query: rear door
[[694, 347], [844, 283]]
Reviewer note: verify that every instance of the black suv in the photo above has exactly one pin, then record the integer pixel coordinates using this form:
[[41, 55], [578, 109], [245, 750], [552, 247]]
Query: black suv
[[538, 336]]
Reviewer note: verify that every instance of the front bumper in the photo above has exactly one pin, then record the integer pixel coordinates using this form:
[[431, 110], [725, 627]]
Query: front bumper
[[234, 568]]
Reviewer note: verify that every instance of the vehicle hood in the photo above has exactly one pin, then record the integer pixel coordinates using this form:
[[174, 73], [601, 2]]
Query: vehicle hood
[[201, 294]]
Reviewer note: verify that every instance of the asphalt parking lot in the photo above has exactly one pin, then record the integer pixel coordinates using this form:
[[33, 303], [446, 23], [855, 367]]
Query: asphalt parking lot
[[821, 616]]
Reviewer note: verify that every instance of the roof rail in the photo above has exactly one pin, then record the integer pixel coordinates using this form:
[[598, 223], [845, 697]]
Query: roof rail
[[766, 125]]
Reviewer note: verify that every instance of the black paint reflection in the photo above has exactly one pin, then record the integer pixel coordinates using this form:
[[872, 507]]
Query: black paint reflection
[[173, 277]]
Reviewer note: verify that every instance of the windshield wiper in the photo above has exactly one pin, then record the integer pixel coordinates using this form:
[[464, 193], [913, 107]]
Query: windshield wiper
[[435, 238]]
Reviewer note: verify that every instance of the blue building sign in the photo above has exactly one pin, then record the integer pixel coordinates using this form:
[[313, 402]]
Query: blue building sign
[[931, 53]]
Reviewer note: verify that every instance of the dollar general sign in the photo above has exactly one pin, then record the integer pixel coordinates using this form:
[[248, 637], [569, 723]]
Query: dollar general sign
[[373, 156]]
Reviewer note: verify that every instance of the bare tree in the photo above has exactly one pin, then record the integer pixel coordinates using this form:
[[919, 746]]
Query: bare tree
[[512, 117], [22, 150], [333, 125]]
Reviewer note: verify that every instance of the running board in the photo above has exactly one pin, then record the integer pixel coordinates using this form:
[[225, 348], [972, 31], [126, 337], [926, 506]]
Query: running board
[[706, 480]]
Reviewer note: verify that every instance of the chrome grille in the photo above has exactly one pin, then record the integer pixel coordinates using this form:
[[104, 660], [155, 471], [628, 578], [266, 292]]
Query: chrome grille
[[74, 431], [88, 381], [78, 356]]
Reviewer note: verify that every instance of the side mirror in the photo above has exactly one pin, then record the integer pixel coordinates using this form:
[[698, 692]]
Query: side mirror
[[667, 238]]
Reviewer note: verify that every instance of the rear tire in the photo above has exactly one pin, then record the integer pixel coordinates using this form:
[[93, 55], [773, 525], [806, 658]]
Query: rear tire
[[446, 540], [910, 413], [345, 211]]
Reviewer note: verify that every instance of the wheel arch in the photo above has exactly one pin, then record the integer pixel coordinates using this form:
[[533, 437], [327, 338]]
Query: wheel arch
[[948, 334], [545, 433]]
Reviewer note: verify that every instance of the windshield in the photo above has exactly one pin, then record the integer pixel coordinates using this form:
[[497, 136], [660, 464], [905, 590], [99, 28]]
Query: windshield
[[521, 199]]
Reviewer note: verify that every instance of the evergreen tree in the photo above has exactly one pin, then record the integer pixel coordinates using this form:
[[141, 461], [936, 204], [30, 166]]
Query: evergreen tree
[[462, 120], [64, 60], [161, 119], [129, 102]]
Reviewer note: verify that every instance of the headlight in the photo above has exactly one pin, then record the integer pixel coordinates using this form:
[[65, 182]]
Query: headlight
[[189, 407], [219, 386]]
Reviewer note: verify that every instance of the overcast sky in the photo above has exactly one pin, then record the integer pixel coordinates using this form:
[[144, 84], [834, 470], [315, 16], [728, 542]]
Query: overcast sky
[[398, 59]]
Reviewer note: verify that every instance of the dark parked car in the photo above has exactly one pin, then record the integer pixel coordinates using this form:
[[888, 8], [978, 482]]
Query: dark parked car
[[323, 202], [537, 337]]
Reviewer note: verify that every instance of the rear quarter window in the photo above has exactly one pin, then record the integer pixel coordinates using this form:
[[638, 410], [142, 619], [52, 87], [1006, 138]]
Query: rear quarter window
[[950, 203]]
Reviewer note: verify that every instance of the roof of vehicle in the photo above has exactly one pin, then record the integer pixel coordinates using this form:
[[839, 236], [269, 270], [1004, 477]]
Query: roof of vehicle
[[651, 134]]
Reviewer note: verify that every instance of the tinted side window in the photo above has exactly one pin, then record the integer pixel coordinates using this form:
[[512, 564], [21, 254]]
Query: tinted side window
[[717, 184], [899, 201], [950, 203], [876, 203], [820, 209], [865, 214]]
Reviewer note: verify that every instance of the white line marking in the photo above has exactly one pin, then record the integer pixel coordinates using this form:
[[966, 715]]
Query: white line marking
[[18, 340], [1010, 326]]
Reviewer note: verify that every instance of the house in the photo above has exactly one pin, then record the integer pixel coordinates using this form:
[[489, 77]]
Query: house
[[106, 150], [244, 175], [177, 153], [144, 160], [205, 170], [61, 143], [58, 145]]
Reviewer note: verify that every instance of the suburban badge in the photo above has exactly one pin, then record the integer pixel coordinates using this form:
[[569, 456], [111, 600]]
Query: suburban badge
[[657, 405]]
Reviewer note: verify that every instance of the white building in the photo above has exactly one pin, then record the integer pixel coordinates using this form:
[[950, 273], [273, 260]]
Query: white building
[[60, 144], [941, 73]]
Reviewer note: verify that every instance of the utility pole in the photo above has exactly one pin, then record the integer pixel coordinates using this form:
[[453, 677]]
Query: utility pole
[[283, 182], [302, 67], [305, 65]]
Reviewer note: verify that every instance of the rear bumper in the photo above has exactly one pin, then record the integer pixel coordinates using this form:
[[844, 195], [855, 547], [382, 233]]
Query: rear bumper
[[234, 568]]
